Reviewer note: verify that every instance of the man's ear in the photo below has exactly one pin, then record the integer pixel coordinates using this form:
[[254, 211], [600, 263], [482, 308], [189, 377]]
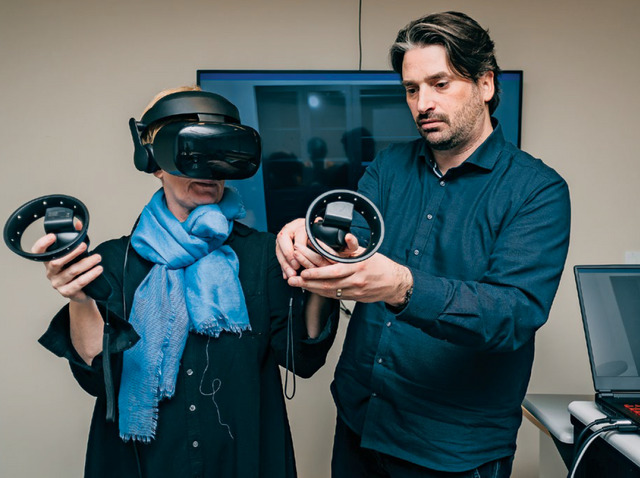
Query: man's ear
[[487, 86]]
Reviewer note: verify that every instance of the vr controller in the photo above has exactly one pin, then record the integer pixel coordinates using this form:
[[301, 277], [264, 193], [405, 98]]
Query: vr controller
[[330, 217], [60, 213]]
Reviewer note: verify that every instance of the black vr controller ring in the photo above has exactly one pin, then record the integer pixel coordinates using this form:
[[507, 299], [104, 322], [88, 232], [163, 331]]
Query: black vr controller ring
[[361, 205], [30, 212]]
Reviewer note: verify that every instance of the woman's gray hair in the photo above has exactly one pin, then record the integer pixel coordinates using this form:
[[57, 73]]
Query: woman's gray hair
[[470, 50]]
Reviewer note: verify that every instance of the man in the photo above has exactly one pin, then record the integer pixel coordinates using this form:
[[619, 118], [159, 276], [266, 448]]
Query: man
[[440, 345]]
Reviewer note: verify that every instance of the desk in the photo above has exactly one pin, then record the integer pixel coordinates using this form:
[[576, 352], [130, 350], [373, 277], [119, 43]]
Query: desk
[[618, 456], [550, 413]]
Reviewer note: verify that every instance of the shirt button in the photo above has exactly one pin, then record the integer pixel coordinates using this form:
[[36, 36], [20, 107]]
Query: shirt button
[[374, 394], [416, 252], [195, 444], [442, 183], [388, 324], [192, 408], [189, 372], [380, 360], [429, 216]]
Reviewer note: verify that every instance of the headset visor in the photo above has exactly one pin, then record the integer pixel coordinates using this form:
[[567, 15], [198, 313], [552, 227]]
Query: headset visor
[[208, 150]]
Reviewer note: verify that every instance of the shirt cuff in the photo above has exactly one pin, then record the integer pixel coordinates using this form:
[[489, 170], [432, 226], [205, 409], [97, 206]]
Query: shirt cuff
[[57, 339], [428, 298]]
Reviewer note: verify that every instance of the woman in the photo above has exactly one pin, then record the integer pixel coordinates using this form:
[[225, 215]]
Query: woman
[[195, 318]]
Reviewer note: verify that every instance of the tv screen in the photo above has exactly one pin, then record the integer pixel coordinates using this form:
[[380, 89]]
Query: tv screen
[[321, 129]]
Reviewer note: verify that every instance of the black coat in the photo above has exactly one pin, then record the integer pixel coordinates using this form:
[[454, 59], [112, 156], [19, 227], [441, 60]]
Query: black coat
[[227, 418]]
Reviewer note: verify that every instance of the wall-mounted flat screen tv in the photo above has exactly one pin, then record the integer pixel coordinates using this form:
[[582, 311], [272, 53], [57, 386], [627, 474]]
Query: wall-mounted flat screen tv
[[320, 130]]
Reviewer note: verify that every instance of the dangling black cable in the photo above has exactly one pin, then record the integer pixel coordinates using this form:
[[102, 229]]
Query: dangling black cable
[[290, 354], [124, 275], [345, 309], [106, 346], [136, 452], [106, 369], [360, 35]]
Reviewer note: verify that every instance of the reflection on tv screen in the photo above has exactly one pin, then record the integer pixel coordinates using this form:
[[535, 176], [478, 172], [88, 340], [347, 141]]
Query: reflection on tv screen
[[321, 129]]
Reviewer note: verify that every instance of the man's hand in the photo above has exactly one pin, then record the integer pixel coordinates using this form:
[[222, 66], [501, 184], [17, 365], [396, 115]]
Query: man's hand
[[375, 279]]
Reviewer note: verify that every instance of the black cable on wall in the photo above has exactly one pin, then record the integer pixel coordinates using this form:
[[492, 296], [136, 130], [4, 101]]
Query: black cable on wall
[[360, 35]]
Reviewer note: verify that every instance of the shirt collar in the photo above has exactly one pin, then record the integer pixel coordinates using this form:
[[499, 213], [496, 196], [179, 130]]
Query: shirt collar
[[484, 157]]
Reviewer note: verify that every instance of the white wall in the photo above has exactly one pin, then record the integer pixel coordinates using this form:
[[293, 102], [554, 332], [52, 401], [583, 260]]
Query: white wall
[[72, 73]]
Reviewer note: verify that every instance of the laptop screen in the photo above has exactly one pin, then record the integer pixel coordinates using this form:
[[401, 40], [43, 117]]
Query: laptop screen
[[610, 305]]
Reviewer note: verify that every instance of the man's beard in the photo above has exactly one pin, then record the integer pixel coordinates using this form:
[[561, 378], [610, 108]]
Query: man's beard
[[459, 129]]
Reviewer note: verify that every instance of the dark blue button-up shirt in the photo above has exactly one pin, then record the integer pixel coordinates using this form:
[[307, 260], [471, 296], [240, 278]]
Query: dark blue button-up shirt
[[441, 383]]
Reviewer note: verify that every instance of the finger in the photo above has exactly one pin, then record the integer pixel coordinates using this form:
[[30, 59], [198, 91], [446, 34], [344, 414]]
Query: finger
[[284, 264], [73, 290], [323, 288], [83, 265], [287, 237], [326, 248], [61, 276], [330, 272], [286, 258], [61, 262], [42, 244], [351, 244], [309, 258]]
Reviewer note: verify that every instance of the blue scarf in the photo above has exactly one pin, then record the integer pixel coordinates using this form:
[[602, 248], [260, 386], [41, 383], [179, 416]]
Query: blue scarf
[[193, 286]]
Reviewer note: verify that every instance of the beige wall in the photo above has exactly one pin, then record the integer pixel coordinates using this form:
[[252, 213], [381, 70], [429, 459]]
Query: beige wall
[[72, 72]]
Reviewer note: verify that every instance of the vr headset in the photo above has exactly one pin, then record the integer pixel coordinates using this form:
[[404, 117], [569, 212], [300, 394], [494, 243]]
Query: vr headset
[[201, 138]]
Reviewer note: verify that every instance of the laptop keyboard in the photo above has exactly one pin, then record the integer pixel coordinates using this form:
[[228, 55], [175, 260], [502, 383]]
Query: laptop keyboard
[[633, 408]]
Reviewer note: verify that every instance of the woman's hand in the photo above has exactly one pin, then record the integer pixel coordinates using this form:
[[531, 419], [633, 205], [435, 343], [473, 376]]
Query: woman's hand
[[69, 281], [85, 321], [293, 251]]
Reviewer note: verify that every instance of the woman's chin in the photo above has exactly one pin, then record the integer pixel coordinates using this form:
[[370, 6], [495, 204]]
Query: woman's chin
[[207, 191]]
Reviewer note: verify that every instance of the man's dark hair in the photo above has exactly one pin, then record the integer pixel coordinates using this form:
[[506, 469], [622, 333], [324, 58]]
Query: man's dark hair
[[469, 48]]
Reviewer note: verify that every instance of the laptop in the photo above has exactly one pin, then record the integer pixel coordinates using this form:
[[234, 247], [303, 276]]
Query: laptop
[[609, 298]]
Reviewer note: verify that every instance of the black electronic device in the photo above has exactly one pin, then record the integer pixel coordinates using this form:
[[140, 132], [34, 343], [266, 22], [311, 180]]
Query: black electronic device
[[609, 305], [330, 217], [59, 213], [201, 137]]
